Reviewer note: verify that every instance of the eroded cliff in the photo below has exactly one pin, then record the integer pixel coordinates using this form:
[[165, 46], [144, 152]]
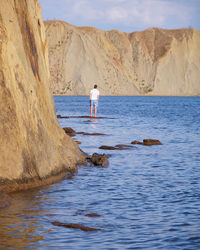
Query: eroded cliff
[[34, 150], [150, 62]]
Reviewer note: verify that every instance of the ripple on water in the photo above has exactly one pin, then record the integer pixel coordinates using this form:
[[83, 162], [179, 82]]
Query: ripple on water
[[148, 197]]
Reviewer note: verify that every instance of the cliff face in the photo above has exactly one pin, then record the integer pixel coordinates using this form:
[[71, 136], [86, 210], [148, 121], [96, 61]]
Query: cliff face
[[34, 149], [150, 62]]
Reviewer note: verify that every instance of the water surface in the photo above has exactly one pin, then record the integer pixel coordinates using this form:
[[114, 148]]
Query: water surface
[[148, 197]]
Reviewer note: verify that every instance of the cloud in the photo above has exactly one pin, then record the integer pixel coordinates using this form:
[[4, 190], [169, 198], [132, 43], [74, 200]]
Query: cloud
[[124, 14]]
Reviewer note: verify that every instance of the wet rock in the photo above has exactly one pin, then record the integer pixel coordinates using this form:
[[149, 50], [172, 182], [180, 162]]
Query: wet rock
[[136, 142], [123, 146], [93, 215], [98, 160], [117, 147], [93, 134], [69, 130], [109, 147], [148, 142], [75, 226], [83, 116]]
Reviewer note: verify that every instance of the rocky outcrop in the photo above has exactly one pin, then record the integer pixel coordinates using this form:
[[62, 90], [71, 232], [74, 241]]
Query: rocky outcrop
[[34, 150], [150, 62]]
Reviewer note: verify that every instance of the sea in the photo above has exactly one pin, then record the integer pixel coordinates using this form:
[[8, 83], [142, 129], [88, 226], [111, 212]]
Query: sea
[[148, 197]]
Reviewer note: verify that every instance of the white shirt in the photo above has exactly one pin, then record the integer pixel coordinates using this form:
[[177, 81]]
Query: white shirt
[[94, 93]]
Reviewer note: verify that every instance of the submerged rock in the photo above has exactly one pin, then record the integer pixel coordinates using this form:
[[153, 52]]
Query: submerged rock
[[93, 215], [75, 226], [98, 160], [147, 142], [96, 134], [123, 146], [136, 142], [116, 147], [150, 142], [109, 147]]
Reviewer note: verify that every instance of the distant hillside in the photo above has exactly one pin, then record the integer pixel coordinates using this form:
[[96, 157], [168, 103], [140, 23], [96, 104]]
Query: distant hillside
[[150, 62]]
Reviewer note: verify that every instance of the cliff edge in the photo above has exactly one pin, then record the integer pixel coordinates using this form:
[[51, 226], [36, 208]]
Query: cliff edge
[[151, 62], [34, 150]]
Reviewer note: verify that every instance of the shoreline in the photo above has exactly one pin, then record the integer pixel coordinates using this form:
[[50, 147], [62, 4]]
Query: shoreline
[[133, 95]]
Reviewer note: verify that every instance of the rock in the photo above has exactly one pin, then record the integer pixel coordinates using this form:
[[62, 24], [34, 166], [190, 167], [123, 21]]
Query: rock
[[75, 226], [92, 215], [138, 63], [69, 130], [123, 146], [58, 116], [34, 150], [95, 134], [150, 142], [98, 160], [117, 147], [136, 142], [83, 116], [108, 147]]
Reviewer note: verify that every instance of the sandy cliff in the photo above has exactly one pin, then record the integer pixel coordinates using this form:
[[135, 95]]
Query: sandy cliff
[[34, 150], [150, 62]]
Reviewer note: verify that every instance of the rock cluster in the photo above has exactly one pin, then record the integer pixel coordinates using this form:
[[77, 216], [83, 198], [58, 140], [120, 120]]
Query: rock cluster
[[148, 142]]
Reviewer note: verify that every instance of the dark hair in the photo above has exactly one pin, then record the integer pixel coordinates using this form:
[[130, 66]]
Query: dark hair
[[95, 86]]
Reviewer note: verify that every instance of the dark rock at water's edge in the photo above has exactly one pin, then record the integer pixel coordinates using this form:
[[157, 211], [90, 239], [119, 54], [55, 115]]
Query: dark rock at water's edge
[[93, 215], [109, 147], [98, 160], [123, 146], [71, 132], [147, 142], [117, 147], [75, 226], [95, 134], [81, 116]]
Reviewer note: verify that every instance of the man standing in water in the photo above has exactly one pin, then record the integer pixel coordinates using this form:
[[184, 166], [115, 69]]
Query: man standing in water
[[94, 98]]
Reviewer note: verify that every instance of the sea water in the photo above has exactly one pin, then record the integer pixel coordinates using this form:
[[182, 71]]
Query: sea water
[[147, 198]]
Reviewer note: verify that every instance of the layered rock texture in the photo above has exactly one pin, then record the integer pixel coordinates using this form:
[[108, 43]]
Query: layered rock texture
[[150, 62], [34, 150]]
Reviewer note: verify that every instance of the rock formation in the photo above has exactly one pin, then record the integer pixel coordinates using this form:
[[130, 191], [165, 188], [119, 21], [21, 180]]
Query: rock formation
[[150, 62], [34, 150]]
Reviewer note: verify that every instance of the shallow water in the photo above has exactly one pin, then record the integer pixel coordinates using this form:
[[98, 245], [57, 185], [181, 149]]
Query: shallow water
[[148, 197]]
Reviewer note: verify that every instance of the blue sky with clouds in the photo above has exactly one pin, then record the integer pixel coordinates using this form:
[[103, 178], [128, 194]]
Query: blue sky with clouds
[[124, 15]]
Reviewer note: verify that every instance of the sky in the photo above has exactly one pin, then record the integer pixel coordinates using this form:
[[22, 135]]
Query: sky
[[124, 15]]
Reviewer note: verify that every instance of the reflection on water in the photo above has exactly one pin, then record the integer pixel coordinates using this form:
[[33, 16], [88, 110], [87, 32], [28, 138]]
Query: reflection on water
[[20, 223]]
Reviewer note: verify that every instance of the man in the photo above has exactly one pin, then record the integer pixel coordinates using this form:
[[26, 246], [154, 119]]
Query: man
[[94, 98]]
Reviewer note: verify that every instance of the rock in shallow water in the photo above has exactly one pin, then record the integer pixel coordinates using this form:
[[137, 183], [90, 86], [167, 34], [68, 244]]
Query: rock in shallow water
[[98, 160], [93, 215], [75, 226], [147, 142]]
